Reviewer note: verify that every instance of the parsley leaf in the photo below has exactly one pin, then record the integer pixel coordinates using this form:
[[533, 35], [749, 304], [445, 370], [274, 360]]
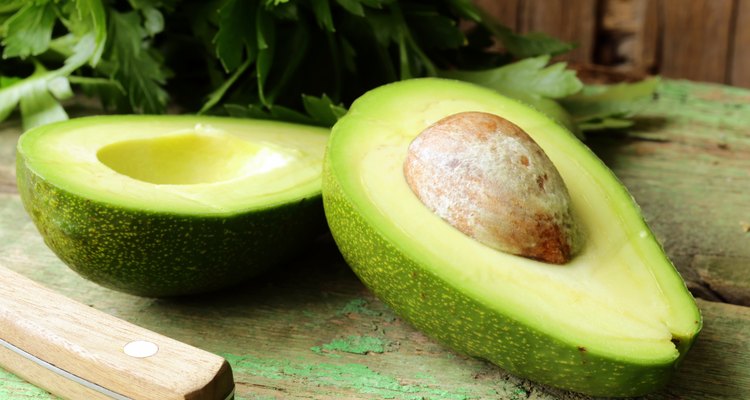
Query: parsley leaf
[[153, 20], [352, 6], [530, 76], [466, 9], [29, 31], [8, 6], [37, 95], [137, 69], [266, 35], [599, 107], [323, 110], [322, 11], [531, 44], [433, 30], [236, 34], [11, 93], [216, 96], [279, 113], [90, 19], [40, 105]]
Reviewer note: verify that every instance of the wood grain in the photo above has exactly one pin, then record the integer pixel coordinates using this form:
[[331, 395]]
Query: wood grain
[[687, 164], [90, 345], [717, 366], [740, 57], [686, 50], [703, 40], [726, 277], [506, 11], [9, 131], [312, 331], [628, 35], [30, 372], [568, 20]]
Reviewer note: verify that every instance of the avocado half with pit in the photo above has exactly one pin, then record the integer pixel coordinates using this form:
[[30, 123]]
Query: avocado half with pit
[[172, 205], [614, 320]]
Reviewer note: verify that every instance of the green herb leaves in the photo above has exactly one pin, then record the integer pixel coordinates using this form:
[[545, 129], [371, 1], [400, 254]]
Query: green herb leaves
[[28, 31], [235, 38], [531, 76], [87, 18], [277, 52], [96, 42], [138, 69], [609, 106], [295, 60]]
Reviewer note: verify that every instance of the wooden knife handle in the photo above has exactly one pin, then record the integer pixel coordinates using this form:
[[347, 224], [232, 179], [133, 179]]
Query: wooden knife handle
[[77, 352]]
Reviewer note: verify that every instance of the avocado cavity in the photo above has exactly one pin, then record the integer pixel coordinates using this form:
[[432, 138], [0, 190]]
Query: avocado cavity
[[490, 180], [192, 157]]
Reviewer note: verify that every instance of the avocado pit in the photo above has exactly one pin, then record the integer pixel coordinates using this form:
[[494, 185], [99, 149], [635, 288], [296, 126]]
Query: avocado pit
[[490, 180]]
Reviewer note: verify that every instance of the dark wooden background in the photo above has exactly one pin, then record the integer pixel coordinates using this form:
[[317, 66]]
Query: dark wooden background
[[701, 40]]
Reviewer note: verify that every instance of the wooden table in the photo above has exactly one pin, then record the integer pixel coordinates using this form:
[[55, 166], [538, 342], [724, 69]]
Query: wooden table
[[312, 331]]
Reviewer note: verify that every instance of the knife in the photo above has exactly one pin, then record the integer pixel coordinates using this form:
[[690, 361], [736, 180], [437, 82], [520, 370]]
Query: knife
[[77, 352]]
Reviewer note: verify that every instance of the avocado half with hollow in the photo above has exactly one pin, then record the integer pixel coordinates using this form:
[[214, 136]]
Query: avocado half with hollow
[[615, 320], [172, 205]]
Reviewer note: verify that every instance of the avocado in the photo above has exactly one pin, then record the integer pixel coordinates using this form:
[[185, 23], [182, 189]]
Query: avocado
[[613, 320], [172, 205]]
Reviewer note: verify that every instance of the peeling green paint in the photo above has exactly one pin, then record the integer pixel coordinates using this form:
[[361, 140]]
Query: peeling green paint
[[355, 377], [358, 306], [519, 394], [13, 387], [423, 376], [714, 105], [354, 344], [319, 350]]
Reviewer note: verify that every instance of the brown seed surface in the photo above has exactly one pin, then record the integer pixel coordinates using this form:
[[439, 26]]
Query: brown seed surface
[[489, 179]]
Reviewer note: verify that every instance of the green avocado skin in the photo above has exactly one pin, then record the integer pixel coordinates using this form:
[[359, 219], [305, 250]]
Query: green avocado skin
[[441, 311], [161, 254]]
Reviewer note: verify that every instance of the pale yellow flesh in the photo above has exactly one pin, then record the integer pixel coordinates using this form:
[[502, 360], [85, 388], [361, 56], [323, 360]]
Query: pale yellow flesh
[[606, 299], [586, 285], [191, 158], [181, 165]]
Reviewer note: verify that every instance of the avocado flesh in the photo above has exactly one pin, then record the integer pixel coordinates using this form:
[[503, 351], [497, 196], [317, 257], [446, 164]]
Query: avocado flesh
[[172, 205], [612, 322]]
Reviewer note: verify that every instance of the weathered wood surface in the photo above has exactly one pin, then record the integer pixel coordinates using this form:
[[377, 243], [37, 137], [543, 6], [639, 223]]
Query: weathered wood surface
[[312, 331], [702, 40], [686, 28], [740, 56]]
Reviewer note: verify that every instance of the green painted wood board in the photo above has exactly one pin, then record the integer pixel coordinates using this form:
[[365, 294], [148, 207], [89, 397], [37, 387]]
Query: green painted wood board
[[312, 331]]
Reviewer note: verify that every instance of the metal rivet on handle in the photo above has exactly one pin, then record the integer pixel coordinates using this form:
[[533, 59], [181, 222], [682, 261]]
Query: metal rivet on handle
[[140, 349]]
